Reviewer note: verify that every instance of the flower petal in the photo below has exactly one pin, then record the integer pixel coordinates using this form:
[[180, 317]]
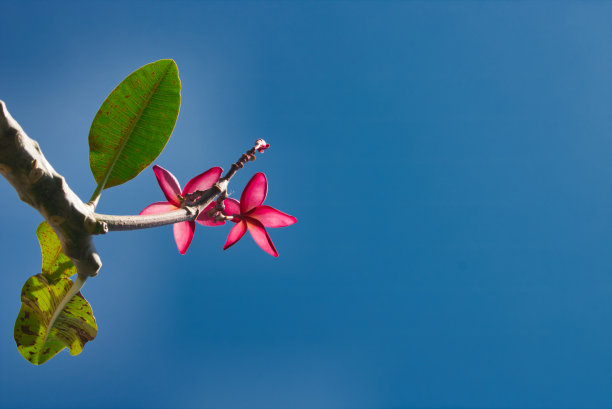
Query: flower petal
[[235, 234], [254, 193], [260, 235], [232, 206], [270, 217], [169, 185], [158, 207], [205, 220], [203, 181], [183, 234]]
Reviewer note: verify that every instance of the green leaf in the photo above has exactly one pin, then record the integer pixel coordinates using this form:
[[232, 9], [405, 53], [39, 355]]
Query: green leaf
[[41, 330], [38, 338], [55, 264], [134, 124]]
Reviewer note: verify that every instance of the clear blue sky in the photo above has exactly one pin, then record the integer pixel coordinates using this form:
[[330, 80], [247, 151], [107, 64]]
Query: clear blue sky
[[450, 167]]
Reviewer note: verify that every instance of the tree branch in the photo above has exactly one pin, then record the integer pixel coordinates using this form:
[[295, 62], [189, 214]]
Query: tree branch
[[39, 185]]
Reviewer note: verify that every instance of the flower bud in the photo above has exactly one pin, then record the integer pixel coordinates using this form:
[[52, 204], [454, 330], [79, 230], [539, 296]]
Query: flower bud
[[261, 145]]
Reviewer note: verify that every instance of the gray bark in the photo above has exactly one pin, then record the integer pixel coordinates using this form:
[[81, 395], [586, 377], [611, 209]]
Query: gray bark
[[39, 185]]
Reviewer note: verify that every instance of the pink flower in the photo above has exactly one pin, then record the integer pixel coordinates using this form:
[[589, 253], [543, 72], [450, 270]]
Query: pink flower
[[183, 231], [251, 215]]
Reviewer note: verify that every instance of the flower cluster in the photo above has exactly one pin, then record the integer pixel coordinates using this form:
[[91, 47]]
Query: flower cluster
[[248, 214], [183, 231]]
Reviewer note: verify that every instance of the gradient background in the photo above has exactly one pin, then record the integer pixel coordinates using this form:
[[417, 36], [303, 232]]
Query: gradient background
[[449, 165]]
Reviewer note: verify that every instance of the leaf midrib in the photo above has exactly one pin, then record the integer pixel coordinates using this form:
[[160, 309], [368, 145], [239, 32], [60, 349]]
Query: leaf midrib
[[74, 288]]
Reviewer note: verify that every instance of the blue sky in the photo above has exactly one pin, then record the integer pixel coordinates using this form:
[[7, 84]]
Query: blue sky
[[449, 165]]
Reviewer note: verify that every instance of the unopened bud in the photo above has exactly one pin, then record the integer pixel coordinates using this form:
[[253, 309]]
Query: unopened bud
[[261, 145]]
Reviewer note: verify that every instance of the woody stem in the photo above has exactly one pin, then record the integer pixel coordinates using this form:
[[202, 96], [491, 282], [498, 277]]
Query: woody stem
[[194, 202]]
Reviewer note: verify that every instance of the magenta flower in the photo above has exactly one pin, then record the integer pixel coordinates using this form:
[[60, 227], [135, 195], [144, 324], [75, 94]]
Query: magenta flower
[[251, 215], [183, 231]]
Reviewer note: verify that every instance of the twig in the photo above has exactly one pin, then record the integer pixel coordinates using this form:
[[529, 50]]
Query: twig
[[194, 202]]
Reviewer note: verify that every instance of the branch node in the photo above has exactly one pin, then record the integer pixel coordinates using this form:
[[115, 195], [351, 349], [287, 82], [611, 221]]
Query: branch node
[[35, 173], [94, 226]]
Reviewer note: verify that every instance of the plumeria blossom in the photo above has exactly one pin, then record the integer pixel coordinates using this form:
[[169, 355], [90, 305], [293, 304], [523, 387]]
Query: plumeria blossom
[[183, 231], [250, 214]]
